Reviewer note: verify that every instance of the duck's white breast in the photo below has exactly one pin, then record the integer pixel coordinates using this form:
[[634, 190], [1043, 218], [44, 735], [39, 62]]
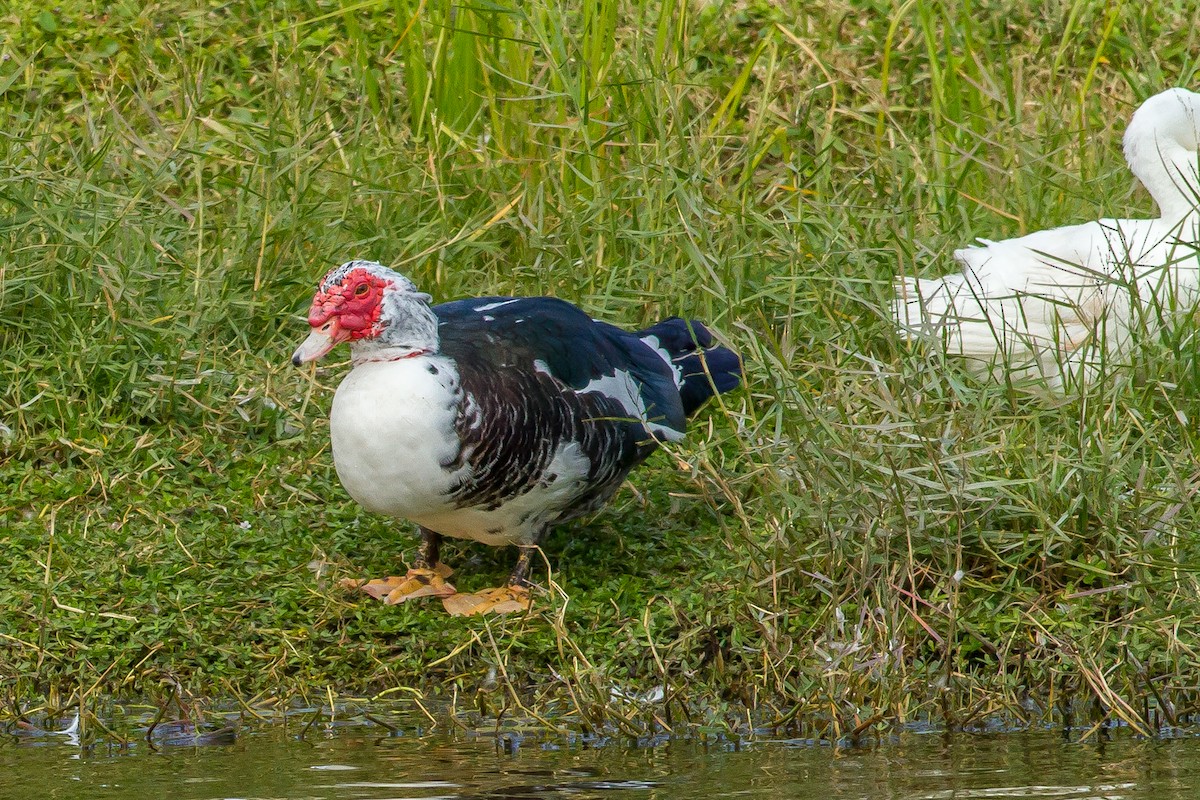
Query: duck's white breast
[[392, 430]]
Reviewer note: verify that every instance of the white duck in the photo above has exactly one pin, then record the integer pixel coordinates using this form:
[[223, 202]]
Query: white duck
[[1057, 303]]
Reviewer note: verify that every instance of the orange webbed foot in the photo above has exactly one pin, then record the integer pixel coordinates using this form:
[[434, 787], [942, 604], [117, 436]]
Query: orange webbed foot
[[418, 582], [503, 600]]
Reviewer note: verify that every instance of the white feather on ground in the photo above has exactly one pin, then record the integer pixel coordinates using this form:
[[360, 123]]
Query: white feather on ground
[[1058, 303]]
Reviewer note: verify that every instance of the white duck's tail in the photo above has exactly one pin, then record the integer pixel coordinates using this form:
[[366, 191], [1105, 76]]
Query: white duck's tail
[[1024, 335], [952, 311]]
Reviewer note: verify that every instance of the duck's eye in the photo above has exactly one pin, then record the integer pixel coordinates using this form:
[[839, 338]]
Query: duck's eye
[[361, 290]]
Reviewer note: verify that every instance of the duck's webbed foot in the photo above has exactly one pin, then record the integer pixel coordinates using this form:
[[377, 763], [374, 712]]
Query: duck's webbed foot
[[426, 578], [513, 596], [417, 582], [501, 600]]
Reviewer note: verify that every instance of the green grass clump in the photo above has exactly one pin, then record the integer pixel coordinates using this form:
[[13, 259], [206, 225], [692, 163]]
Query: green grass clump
[[864, 535]]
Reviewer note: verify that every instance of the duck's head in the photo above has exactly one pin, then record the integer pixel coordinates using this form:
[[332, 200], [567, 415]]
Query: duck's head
[[1172, 115], [379, 311], [1161, 145]]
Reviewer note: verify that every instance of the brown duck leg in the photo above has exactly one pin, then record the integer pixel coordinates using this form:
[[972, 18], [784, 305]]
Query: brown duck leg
[[426, 578], [513, 596]]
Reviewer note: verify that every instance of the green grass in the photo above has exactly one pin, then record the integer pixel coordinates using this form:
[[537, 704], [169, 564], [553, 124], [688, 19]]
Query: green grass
[[864, 535]]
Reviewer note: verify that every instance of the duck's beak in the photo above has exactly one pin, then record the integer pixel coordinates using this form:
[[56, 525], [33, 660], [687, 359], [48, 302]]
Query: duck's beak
[[320, 341]]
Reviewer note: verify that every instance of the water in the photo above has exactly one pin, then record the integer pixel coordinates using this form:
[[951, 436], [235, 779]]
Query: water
[[355, 762]]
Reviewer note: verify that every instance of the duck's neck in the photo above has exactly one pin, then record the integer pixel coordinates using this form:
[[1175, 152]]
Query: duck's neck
[[409, 329], [1168, 171]]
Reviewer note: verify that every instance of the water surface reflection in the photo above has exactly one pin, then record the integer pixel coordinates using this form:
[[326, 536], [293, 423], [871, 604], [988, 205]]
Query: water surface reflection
[[341, 764]]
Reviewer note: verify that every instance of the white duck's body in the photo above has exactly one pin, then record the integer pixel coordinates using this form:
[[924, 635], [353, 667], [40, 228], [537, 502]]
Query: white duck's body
[[392, 428], [1057, 303]]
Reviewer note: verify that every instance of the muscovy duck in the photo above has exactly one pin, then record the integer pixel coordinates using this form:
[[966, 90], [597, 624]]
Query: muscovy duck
[[1055, 304], [495, 418]]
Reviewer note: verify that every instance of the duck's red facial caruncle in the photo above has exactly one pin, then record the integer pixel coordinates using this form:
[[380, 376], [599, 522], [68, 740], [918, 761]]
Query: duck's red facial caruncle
[[343, 311]]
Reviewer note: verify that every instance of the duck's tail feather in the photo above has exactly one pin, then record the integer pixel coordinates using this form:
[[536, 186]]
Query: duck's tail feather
[[1023, 335], [702, 368], [947, 309]]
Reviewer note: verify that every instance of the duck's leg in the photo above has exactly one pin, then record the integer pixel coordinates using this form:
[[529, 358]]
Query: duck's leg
[[513, 596], [426, 578]]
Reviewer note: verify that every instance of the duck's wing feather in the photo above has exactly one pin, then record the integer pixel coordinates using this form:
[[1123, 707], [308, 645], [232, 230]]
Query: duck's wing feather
[[539, 377], [501, 335]]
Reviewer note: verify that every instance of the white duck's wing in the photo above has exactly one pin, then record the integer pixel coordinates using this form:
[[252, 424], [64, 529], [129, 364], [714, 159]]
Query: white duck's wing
[[1025, 293]]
